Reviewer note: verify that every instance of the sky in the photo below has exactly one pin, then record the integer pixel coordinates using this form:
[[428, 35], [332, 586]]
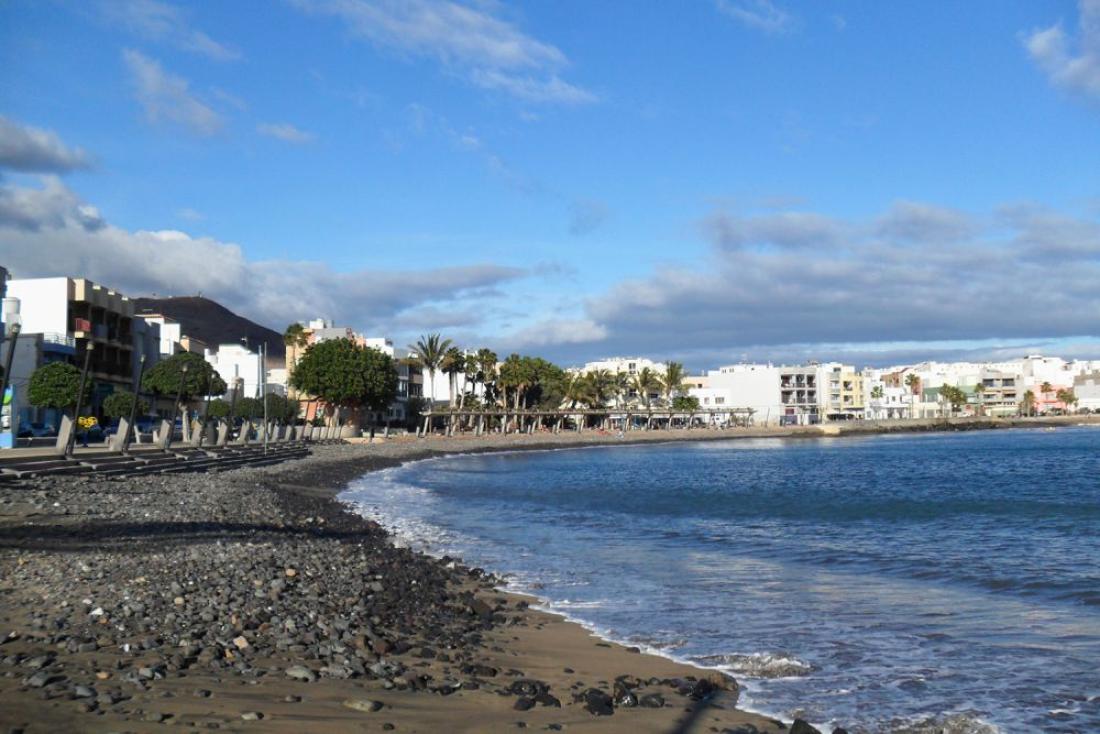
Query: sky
[[705, 181]]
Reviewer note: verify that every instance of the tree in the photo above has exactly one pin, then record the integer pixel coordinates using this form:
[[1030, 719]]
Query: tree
[[218, 409], [55, 385], [878, 392], [1045, 388], [1067, 398], [427, 354], [1027, 405], [295, 339], [453, 363], [250, 409], [341, 373], [953, 395], [685, 402], [201, 378], [979, 393], [119, 404], [644, 382], [672, 382], [912, 381]]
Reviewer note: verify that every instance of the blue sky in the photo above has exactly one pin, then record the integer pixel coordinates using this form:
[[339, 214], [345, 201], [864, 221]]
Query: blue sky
[[701, 181]]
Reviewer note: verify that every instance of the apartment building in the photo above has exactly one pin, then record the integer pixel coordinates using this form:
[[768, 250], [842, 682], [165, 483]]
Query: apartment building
[[62, 318], [999, 395], [1086, 388], [844, 399]]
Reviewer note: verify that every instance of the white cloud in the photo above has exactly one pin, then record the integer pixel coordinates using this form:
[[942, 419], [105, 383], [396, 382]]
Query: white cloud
[[50, 231], [1051, 49], [555, 332], [286, 132], [784, 284], [471, 39], [31, 150], [158, 21], [168, 98], [762, 15]]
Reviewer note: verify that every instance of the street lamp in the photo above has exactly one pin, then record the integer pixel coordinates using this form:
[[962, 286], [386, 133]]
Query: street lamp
[[88, 349], [133, 405]]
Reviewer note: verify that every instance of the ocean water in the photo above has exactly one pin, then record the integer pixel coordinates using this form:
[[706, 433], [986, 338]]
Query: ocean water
[[915, 582]]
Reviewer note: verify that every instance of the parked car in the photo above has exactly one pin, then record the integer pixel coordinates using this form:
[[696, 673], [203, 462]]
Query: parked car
[[37, 430]]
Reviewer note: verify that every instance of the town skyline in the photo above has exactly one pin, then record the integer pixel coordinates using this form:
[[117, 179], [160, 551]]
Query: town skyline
[[742, 180]]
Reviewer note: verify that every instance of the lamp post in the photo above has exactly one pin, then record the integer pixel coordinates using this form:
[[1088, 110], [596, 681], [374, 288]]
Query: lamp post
[[263, 388], [176, 408], [88, 349], [134, 404]]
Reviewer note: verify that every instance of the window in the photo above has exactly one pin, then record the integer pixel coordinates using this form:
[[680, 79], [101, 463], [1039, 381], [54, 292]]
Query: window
[[719, 401]]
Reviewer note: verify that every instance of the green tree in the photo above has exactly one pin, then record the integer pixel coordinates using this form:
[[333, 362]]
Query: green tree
[[218, 409], [341, 373], [954, 396], [672, 382], [912, 381], [1067, 397], [55, 385], [452, 364], [1027, 405], [119, 403], [250, 408], [644, 383], [979, 394], [200, 379], [877, 392], [428, 354], [685, 402]]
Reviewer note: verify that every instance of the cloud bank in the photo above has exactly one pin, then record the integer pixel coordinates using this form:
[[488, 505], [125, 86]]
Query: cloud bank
[[1052, 49]]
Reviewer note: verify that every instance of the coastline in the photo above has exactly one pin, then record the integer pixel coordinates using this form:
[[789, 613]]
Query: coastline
[[140, 533]]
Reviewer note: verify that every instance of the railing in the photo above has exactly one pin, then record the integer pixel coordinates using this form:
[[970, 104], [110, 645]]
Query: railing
[[55, 337]]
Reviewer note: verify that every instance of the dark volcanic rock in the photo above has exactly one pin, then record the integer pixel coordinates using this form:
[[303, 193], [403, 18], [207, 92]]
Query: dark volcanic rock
[[596, 702], [798, 726]]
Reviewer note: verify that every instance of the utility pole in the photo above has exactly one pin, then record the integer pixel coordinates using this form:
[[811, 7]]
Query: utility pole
[[263, 388]]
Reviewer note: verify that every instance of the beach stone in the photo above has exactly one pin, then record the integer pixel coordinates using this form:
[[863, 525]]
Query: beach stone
[[302, 673], [545, 699], [596, 702], [84, 692], [800, 726], [364, 705], [840, 730], [524, 704], [252, 716], [652, 701]]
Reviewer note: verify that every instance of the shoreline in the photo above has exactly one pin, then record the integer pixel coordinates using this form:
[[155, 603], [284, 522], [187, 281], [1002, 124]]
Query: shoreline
[[72, 547]]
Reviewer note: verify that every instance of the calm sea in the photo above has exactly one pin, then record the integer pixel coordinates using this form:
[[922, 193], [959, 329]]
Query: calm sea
[[883, 582]]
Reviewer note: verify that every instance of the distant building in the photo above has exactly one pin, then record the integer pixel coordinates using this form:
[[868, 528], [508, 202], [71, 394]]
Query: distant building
[[62, 317], [1086, 388]]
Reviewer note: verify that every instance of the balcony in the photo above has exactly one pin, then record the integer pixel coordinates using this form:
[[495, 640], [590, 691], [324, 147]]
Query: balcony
[[56, 342]]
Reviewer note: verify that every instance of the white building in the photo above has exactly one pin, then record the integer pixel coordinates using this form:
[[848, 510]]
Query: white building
[[753, 386], [241, 370]]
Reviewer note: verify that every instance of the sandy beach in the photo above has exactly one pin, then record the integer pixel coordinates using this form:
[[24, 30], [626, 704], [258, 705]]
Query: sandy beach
[[250, 600]]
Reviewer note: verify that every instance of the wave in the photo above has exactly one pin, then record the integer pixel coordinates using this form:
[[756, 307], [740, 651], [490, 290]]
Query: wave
[[758, 664]]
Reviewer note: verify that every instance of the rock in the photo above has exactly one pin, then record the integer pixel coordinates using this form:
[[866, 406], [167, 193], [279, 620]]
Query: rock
[[252, 716], [545, 699], [596, 702], [364, 705], [241, 643], [302, 673], [527, 687], [524, 704], [799, 726], [201, 693], [652, 701], [840, 730], [290, 573], [703, 689], [84, 692], [481, 609]]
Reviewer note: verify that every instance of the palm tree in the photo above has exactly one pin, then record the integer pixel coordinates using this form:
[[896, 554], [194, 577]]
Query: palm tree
[[452, 364], [672, 382], [1027, 405], [428, 354], [620, 387], [979, 393], [912, 381], [487, 369], [644, 381], [1067, 397], [294, 338]]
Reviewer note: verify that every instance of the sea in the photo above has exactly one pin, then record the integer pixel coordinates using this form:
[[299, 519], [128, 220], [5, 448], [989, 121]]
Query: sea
[[937, 582]]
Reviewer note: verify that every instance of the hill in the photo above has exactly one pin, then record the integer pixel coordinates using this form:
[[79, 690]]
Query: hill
[[214, 324]]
